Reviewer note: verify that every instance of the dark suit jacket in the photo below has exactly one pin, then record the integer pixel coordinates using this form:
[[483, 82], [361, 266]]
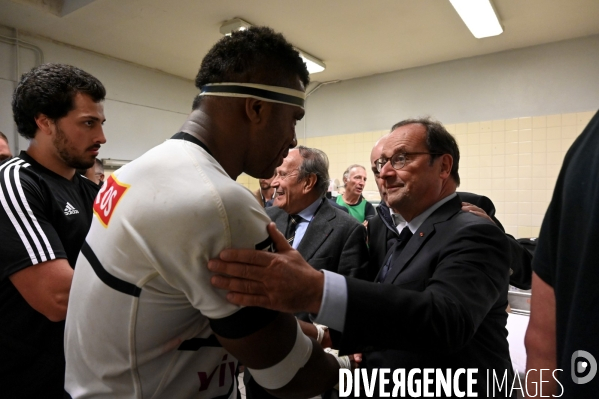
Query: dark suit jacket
[[521, 264], [442, 304], [336, 205], [334, 240], [382, 234]]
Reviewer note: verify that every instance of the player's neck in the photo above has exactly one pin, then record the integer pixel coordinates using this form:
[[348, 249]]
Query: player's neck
[[217, 139], [46, 155]]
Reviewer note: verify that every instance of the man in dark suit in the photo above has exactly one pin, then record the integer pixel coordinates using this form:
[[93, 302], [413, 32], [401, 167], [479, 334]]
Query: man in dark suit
[[326, 237], [443, 293], [381, 230], [382, 233]]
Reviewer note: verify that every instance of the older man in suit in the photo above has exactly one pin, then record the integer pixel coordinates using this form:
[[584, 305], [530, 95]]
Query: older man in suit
[[442, 292], [326, 237], [382, 231]]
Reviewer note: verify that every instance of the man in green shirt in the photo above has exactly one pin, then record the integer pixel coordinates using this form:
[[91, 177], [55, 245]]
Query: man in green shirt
[[354, 179]]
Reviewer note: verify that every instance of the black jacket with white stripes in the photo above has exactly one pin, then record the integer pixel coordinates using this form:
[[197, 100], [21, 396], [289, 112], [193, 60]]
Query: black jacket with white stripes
[[43, 216]]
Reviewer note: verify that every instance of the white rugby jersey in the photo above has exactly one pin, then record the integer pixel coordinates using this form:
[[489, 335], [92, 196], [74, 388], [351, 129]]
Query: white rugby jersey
[[141, 299]]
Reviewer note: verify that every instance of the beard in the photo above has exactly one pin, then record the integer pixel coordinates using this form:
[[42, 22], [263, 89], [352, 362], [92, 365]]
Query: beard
[[68, 154]]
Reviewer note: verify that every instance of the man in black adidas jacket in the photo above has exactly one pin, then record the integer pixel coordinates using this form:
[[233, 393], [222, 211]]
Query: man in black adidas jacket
[[45, 214]]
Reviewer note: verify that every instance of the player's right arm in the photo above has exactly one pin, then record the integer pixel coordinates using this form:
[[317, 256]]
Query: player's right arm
[[45, 287], [31, 254], [271, 344]]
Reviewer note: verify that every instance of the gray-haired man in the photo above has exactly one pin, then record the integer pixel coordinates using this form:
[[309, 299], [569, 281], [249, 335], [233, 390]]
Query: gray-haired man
[[326, 237]]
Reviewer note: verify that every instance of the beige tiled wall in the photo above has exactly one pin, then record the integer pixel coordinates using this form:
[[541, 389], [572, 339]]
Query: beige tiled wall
[[515, 162]]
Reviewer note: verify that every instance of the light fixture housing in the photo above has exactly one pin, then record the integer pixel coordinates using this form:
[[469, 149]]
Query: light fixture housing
[[313, 64], [234, 25], [110, 163], [479, 17]]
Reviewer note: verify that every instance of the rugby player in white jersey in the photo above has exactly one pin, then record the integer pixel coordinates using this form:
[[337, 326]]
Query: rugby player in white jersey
[[143, 319]]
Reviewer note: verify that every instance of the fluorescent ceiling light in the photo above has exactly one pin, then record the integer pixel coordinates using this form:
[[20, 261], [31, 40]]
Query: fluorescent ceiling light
[[313, 64], [479, 17]]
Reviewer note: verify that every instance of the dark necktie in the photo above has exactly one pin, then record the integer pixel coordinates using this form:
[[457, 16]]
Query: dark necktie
[[395, 252], [294, 220]]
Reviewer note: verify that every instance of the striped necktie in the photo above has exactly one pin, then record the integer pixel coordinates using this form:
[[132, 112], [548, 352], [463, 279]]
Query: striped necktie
[[294, 220]]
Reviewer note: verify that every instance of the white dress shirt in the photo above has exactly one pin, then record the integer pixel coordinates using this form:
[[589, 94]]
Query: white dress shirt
[[307, 215]]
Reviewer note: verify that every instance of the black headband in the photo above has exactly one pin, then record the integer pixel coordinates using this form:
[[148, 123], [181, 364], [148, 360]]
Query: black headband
[[276, 94]]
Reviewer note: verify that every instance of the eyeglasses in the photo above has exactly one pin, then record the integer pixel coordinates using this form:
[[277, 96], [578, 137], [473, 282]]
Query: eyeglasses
[[398, 160], [283, 175]]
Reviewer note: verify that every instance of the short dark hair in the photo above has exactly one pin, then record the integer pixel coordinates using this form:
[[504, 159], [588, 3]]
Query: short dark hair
[[314, 161], [50, 89], [256, 55], [438, 141]]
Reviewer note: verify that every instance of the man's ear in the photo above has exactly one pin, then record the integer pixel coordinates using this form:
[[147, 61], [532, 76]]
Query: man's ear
[[446, 165], [309, 182], [44, 124], [256, 110]]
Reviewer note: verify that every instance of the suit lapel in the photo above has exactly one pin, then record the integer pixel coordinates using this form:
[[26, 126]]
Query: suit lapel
[[318, 231], [280, 217], [421, 236]]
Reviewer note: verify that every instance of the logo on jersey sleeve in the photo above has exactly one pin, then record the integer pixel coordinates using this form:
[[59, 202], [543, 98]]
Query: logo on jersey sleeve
[[108, 198]]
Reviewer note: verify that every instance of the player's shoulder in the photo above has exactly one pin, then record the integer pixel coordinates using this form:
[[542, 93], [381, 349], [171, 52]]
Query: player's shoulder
[[186, 173], [238, 199], [18, 169], [15, 163]]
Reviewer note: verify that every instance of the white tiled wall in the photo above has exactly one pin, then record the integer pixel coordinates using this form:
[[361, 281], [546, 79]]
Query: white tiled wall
[[515, 162]]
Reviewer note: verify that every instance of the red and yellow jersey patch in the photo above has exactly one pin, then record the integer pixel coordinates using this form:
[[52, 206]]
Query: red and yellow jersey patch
[[108, 198]]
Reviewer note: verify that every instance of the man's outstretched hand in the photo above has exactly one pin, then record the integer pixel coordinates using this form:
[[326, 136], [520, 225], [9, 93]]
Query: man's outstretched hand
[[281, 281]]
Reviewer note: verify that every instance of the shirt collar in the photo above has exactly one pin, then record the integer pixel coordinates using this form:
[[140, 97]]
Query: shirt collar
[[308, 213], [415, 223], [397, 218]]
